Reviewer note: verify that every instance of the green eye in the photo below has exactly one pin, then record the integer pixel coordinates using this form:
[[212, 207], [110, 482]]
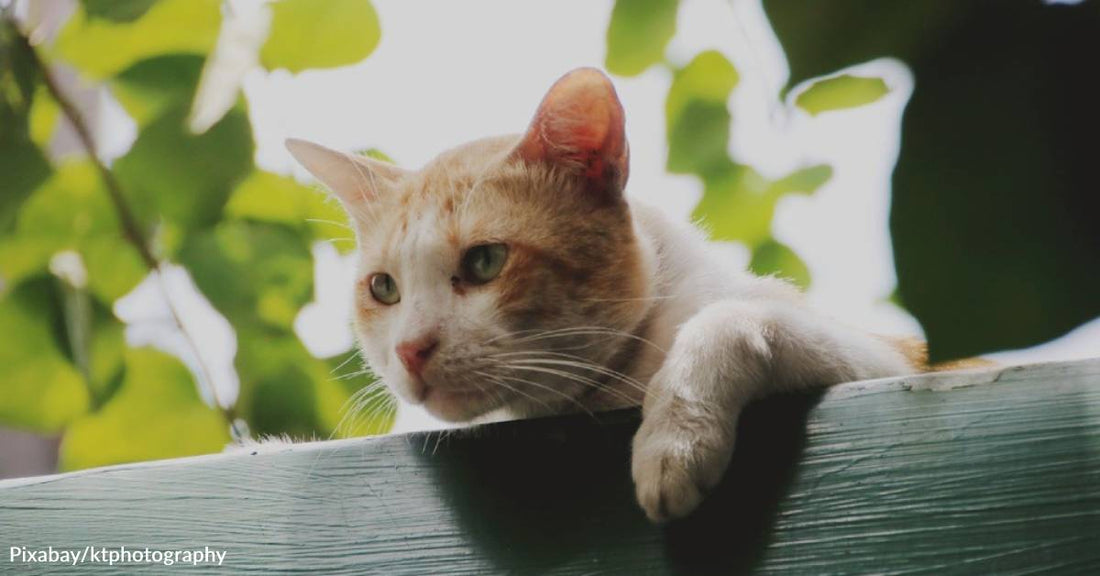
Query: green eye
[[384, 289], [483, 263]]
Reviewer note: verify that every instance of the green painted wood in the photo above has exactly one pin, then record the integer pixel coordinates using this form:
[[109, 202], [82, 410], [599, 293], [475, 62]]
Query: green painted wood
[[965, 473]]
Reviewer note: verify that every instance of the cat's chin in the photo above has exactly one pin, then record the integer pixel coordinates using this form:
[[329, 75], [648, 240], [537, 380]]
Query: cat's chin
[[456, 405]]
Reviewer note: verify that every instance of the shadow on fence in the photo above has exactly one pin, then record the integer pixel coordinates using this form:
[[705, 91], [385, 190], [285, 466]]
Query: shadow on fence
[[520, 500]]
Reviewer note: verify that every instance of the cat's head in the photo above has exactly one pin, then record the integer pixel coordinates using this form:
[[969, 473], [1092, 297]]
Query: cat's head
[[507, 271]]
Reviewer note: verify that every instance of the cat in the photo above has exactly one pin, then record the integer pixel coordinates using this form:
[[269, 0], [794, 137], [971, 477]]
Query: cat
[[512, 276]]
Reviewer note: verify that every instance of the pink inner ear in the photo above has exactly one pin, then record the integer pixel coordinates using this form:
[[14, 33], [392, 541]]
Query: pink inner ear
[[579, 124]]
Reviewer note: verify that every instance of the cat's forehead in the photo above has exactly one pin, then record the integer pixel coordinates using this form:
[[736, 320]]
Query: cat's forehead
[[435, 208], [471, 157], [471, 194], [449, 177]]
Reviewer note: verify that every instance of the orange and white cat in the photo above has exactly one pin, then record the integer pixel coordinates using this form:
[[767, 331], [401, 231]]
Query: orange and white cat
[[512, 276]]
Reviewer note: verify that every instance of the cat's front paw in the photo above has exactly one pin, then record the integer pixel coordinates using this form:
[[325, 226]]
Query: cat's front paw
[[680, 453]]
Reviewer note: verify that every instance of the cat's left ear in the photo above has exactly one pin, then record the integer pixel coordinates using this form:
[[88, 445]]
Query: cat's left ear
[[579, 126], [354, 179]]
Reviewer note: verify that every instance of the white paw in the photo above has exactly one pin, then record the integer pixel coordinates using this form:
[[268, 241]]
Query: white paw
[[680, 453]]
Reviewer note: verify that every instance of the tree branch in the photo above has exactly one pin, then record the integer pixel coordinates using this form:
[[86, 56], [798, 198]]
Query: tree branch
[[131, 229]]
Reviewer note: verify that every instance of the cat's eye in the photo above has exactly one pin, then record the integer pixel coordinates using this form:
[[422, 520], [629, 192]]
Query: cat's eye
[[483, 262], [384, 289]]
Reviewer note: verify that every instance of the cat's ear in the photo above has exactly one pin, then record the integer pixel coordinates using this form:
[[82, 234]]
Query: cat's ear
[[353, 178], [580, 126]]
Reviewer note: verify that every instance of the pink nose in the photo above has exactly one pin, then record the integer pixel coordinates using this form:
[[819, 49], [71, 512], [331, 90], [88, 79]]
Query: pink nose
[[414, 354]]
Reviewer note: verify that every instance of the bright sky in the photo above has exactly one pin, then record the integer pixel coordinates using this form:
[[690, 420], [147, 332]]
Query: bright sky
[[448, 72]]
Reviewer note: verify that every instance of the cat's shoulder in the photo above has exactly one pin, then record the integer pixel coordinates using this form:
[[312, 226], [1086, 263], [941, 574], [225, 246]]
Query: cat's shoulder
[[685, 255]]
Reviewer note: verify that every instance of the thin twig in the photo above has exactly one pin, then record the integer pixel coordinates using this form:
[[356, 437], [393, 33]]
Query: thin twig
[[131, 230], [130, 227]]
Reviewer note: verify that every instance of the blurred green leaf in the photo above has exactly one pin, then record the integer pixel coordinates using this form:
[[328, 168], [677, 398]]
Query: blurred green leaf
[[69, 207], [106, 351], [267, 197], [151, 87], [320, 34], [117, 10], [803, 180], [101, 48], [735, 205], [259, 273], [82, 328], [774, 258], [22, 165], [840, 92], [277, 378], [91, 337], [71, 211], [156, 413], [738, 203], [638, 34], [709, 77], [698, 121], [377, 155], [698, 140], [43, 118], [184, 178], [22, 257], [39, 388], [285, 390], [114, 267], [994, 193], [254, 273]]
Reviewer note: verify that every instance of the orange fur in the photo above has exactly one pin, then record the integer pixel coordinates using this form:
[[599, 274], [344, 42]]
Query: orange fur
[[916, 352]]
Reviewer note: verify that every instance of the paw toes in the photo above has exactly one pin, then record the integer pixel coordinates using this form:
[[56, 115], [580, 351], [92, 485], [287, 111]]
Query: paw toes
[[673, 469], [666, 488]]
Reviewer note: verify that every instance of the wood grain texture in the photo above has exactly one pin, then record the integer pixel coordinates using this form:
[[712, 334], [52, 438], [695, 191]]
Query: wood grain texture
[[959, 473]]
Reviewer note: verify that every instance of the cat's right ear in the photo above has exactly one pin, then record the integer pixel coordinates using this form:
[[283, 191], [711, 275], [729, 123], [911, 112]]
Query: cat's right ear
[[354, 179]]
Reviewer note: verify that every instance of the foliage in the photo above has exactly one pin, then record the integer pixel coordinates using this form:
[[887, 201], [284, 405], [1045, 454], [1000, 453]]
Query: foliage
[[839, 92], [994, 194], [308, 34], [738, 201], [155, 411], [197, 200], [638, 34]]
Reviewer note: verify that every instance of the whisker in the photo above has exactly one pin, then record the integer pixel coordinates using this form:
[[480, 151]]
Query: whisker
[[353, 408], [333, 222], [507, 334], [498, 380], [351, 375], [354, 355], [584, 365], [590, 330], [640, 299], [544, 387], [575, 378], [333, 241], [443, 434]]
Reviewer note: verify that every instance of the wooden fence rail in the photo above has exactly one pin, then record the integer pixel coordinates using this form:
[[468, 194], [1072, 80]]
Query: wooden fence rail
[[988, 472]]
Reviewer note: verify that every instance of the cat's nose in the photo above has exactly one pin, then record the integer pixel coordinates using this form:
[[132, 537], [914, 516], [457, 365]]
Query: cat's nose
[[414, 354]]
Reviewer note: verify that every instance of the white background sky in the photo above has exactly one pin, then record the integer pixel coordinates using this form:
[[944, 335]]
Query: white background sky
[[448, 72]]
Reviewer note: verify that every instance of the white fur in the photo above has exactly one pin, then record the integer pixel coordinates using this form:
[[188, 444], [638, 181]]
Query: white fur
[[731, 337]]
